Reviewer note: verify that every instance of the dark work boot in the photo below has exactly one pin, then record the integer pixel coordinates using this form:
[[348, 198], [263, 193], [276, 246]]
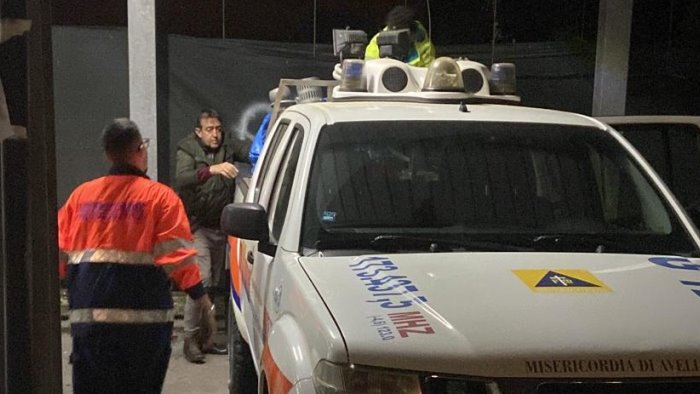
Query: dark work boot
[[192, 351]]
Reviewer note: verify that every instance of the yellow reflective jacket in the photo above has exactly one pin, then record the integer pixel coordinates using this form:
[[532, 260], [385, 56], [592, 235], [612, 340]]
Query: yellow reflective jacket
[[422, 53]]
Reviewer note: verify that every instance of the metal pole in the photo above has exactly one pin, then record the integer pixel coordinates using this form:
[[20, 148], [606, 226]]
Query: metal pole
[[669, 46], [223, 18], [430, 20], [493, 31], [314, 50]]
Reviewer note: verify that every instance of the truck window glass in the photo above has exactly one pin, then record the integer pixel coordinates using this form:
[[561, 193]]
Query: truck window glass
[[674, 152], [274, 142], [283, 185]]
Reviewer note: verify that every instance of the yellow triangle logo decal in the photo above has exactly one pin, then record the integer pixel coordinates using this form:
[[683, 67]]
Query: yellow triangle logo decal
[[561, 281]]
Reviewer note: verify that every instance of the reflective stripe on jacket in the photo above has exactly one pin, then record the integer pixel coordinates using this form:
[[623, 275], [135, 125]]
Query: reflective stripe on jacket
[[124, 238]]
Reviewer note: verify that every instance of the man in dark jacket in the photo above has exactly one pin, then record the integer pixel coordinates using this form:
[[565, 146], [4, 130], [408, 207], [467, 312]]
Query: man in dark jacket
[[205, 180]]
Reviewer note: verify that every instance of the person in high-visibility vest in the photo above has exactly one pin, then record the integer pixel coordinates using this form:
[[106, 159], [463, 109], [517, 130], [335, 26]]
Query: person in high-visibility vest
[[123, 240], [422, 51]]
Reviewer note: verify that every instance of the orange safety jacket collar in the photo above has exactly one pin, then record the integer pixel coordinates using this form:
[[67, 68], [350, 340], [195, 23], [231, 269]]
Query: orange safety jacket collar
[[126, 169]]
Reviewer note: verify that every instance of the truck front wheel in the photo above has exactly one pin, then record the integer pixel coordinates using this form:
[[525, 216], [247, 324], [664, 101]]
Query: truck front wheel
[[242, 376]]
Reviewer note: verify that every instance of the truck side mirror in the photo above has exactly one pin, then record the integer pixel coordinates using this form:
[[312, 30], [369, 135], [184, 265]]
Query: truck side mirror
[[246, 221]]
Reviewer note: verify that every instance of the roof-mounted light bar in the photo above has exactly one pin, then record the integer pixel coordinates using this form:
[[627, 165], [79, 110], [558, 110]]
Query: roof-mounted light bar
[[445, 79]]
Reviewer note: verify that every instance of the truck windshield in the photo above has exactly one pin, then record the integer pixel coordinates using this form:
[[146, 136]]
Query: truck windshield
[[541, 187]]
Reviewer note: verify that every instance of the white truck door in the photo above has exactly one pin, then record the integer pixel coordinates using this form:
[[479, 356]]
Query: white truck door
[[270, 183]]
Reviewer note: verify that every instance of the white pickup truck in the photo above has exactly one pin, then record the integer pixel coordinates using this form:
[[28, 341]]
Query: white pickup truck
[[417, 233]]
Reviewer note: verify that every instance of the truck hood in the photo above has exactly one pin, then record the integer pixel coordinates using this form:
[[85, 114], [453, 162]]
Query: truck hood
[[516, 314]]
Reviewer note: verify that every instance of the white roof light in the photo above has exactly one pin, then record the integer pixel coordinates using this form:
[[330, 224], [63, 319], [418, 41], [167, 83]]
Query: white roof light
[[352, 78], [503, 78], [444, 75]]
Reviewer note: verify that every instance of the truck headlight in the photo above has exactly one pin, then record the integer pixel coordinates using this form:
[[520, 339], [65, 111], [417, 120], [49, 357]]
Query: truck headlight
[[341, 378]]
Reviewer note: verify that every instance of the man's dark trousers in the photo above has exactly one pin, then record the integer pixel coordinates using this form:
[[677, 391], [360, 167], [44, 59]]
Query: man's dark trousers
[[120, 358]]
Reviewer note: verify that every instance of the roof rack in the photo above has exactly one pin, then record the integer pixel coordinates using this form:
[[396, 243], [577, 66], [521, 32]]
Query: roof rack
[[307, 91]]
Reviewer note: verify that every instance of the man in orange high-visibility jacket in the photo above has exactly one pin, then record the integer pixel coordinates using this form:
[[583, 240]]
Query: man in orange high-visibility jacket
[[124, 239]]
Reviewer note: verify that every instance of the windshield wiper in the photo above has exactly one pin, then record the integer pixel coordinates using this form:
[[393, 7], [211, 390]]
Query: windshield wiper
[[393, 242], [341, 242], [575, 243]]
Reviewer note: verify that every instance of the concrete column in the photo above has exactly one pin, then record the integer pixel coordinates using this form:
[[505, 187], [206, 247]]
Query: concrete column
[[142, 75], [612, 56]]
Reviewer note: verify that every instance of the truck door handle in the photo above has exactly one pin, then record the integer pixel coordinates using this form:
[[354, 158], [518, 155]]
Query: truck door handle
[[249, 257]]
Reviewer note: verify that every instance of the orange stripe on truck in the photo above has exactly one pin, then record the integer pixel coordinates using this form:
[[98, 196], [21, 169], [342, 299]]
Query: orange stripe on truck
[[277, 383], [234, 264]]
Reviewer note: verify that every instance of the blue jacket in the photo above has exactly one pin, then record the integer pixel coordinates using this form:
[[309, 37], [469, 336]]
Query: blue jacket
[[259, 140]]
